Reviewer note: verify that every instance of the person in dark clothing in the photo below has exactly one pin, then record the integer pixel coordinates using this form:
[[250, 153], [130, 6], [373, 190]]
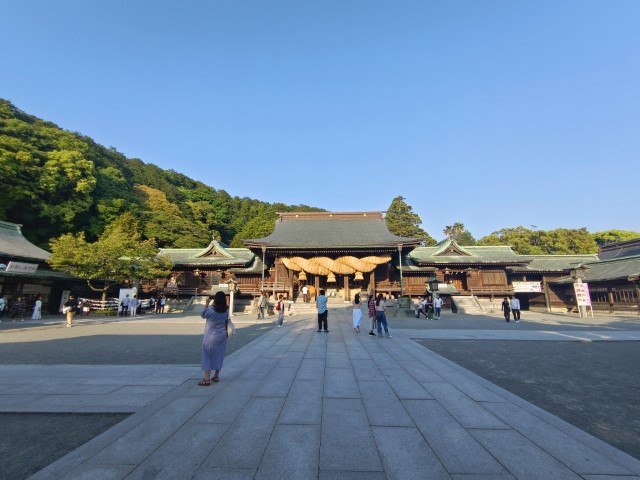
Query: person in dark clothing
[[506, 309]]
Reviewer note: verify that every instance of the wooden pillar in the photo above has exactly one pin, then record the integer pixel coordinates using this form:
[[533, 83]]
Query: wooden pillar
[[347, 293], [372, 282], [316, 284], [290, 278], [545, 288]]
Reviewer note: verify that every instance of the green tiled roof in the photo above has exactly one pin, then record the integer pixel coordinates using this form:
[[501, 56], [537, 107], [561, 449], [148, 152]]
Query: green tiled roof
[[216, 254], [608, 270], [551, 263], [14, 245], [331, 230], [448, 252]]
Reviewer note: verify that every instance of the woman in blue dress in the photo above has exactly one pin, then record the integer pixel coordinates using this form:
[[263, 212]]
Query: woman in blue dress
[[214, 342]]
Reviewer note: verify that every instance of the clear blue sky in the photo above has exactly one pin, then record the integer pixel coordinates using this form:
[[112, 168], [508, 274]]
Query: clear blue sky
[[493, 113]]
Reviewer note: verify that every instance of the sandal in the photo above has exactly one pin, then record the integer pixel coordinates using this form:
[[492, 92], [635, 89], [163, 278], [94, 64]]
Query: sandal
[[215, 379], [204, 383]]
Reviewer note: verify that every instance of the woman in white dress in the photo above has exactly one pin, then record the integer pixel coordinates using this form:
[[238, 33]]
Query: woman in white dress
[[357, 313], [37, 307]]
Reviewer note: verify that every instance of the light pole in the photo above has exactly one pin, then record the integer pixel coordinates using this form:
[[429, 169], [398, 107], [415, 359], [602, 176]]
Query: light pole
[[264, 251], [400, 264], [232, 285]]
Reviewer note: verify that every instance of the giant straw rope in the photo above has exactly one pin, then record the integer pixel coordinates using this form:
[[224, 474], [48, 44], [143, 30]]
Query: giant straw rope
[[341, 265]]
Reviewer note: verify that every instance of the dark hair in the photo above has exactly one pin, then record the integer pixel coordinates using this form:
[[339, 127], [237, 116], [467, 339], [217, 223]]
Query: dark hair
[[357, 299], [321, 292], [220, 302], [380, 297]]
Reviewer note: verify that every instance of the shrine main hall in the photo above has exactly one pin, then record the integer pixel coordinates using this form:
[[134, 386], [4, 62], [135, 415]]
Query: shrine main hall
[[345, 253]]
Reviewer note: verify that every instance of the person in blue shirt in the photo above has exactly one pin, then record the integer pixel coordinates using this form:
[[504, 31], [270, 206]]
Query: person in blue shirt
[[321, 302]]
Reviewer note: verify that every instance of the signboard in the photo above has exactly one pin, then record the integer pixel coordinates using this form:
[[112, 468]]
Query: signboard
[[20, 267], [63, 300], [223, 285], [582, 294], [527, 287], [32, 289]]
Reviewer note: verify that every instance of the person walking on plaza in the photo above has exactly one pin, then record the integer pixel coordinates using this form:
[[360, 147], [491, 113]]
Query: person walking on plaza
[[280, 310], [357, 313], [70, 309], [262, 302], [124, 305], [161, 303], [305, 294], [381, 317], [437, 305], [17, 309], [214, 341], [3, 306], [321, 303], [371, 309], [37, 309], [420, 308], [515, 308], [133, 306], [506, 309]]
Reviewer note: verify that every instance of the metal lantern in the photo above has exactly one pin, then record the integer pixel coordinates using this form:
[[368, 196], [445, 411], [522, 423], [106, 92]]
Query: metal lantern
[[433, 284], [331, 278], [359, 276], [232, 284]]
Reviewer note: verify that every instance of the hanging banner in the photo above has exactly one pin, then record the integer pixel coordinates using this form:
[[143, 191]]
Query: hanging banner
[[527, 287], [582, 294], [22, 267]]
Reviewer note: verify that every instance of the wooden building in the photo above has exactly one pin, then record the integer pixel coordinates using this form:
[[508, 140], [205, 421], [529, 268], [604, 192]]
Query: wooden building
[[25, 273]]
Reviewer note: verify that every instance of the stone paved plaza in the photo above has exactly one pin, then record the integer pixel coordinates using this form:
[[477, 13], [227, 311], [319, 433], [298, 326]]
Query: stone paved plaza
[[299, 404]]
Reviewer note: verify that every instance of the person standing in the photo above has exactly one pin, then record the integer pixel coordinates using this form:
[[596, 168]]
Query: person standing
[[162, 302], [262, 302], [506, 309], [37, 309], [437, 305], [371, 307], [17, 309], [381, 317], [280, 310], [214, 341], [357, 313], [515, 308], [133, 306], [305, 294], [124, 305], [71, 308], [321, 303], [3, 306]]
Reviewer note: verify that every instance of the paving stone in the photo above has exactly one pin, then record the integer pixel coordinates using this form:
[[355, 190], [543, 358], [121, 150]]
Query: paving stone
[[182, 454], [382, 405], [340, 383], [225, 474], [278, 383], [469, 413], [292, 452], [405, 454], [303, 404], [338, 360], [291, 359], [458, 451], [522, 458], [259, 370], [103, 472], [405, 386], [569, 451], [346, 439], [343, 475], [137, 444], [311, 369], [244, 442]]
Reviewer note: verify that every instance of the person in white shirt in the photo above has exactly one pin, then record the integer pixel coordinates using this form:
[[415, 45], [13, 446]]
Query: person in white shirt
[[305, 294], [420, 308], [133, 306], [514, 303], [437, 304]]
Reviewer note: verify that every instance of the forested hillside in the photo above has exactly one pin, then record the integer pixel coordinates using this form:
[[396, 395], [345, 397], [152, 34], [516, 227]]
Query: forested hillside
[[56, 182]]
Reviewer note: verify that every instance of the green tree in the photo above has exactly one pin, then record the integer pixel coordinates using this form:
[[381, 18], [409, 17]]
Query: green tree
[[257, 227], [402, 221], [609, 236], [560, 241], [460, 234], [118, 256]]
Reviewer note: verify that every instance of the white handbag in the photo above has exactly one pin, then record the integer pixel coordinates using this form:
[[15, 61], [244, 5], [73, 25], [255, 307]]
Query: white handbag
[[230, 328]]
